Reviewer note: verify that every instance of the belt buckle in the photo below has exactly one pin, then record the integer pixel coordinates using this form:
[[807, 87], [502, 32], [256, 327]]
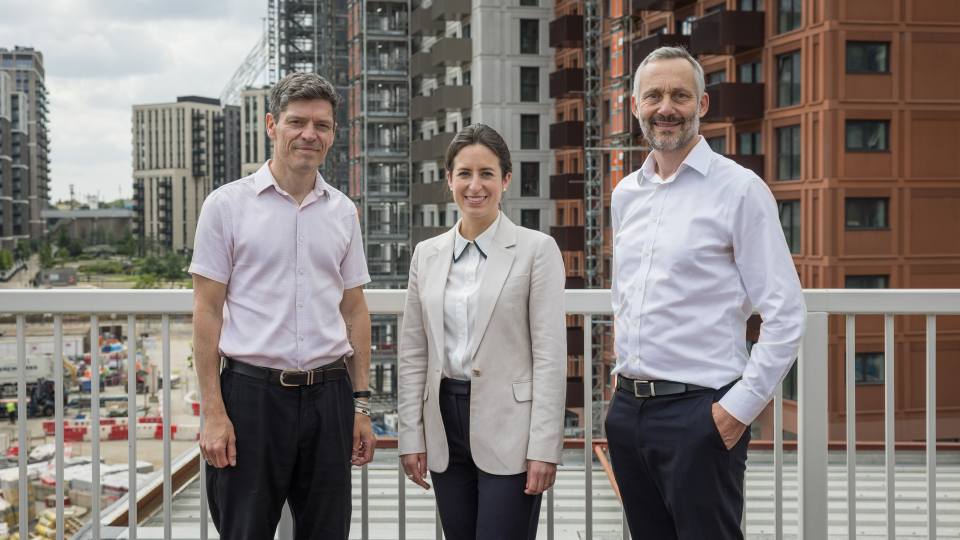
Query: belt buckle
[[293, 372], [636, 389]]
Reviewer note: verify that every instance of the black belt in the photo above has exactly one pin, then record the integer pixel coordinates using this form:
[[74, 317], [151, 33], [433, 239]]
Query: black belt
[[289, 377], [455, 387], [648, 389]]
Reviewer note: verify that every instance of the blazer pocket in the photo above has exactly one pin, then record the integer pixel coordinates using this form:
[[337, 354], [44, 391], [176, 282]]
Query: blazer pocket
[[523, 390]]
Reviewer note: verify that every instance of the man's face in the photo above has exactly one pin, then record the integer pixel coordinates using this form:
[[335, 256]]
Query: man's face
[[303, 134], [667, 105]]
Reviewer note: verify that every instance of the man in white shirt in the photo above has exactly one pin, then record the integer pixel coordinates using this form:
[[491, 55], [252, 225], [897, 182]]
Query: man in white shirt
[[278, 274], [698, 247]]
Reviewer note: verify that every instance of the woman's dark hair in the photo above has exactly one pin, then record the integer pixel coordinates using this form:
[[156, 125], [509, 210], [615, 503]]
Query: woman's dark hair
[[479, 134]]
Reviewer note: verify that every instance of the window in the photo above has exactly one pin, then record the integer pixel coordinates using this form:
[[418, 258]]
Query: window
[[531, 3], [868, 57], [466, 80], [607, 111], [868, 135], [529, 84], [879, 281], [788, 153], [530, 218], [868, 368], [606, 59], [790, 221], [788, 79], [529, 179], [717, 76], [714, 9], [718, 144], [749, 143], [751, 5], [530, 131], [750, 72], [529, 36], [685, 27], [867, 212], [788, 15], [465, 31]]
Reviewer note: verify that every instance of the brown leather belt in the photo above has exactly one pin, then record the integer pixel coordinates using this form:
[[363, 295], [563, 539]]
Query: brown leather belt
[[289, 377]]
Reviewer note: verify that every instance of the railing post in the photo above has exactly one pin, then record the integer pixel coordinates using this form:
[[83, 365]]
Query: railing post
[[812, 428]]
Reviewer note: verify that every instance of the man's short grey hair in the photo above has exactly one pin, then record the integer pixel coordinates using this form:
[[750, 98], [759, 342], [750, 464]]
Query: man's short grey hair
[[669, 53], [302, 86]]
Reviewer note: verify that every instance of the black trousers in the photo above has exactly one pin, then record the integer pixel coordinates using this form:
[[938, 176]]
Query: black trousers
[[676, 477], [475, 505], [293, 445]]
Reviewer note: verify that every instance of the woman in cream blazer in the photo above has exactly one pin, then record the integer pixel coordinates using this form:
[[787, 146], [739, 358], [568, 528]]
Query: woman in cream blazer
[[483, 356]]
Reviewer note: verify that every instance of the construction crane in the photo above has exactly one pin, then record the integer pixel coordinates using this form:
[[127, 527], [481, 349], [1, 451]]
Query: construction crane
[[253, 69]]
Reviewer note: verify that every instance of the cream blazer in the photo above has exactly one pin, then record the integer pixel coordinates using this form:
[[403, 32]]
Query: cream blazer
[[518, 349]]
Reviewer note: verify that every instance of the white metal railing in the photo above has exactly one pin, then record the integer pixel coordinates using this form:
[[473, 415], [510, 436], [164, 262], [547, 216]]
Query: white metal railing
[[812, 422]]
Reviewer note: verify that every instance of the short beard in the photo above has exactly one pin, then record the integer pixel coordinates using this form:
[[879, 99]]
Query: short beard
[[689, 129]]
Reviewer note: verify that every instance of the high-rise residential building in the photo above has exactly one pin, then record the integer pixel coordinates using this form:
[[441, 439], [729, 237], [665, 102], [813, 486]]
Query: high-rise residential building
[[480, 62], [7, 239], [379, 145], [310, 36], [29, 145], [181, 152], [844, 110], [255, 146]]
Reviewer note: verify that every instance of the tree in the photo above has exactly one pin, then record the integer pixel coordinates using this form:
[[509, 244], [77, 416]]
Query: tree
[[46, 255], [6, 259]]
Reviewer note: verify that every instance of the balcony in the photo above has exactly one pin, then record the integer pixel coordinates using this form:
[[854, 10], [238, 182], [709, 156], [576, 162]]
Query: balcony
[[432, 193], [432, 149], [450, 51], [753, 162], [727, 32], [566, 186], [658, 5], [640, 48], [567, 134], [444, 98], [569, 238], [419, 233], [422, 22], [565, 82], [731, 101], [566, 32], [421, 64], [450, 10], [786, 482]]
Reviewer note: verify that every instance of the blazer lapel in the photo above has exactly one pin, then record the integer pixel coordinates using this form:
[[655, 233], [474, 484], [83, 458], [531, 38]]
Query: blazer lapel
[[498, 264], [438, 265]]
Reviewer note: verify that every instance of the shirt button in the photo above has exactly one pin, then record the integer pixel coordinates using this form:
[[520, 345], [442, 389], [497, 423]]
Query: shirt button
[[300, 272], [437, 370], [301, 338]]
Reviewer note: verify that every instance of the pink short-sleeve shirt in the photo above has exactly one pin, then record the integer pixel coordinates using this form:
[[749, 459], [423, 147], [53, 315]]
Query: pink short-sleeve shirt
[[285, 266]]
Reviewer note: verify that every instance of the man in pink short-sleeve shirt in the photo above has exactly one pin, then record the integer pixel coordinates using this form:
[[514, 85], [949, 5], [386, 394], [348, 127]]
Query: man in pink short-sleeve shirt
[[278, 270]]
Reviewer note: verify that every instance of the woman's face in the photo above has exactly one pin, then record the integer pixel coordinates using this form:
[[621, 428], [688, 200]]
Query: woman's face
[[476, 182]]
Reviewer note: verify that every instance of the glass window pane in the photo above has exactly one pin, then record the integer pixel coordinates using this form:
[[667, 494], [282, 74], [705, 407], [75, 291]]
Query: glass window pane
[[529, 36]]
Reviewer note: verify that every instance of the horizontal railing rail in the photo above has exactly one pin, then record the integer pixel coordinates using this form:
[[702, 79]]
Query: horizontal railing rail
[[44, 307]]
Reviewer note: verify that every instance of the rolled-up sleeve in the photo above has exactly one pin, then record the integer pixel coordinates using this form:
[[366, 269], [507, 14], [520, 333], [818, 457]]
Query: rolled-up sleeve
[[213, 243], [773, 288]]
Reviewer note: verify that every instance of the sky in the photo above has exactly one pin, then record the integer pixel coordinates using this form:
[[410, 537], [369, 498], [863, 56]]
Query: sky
[[104, 56]]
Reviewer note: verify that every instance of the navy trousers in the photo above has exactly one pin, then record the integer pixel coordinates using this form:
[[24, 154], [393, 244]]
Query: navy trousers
[[473, 504], [293, 444], [676, 477]]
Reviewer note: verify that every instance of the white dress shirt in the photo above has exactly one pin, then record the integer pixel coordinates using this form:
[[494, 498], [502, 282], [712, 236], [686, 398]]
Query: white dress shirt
[[285, 265], [694, 255], [460, 299]]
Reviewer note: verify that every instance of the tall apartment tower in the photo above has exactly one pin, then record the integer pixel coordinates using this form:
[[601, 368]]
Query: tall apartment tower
[[843, 108], [255, 146], [30, 174], [486, 62], [181, 152], [310, 36], [7, 239], [379, 119]]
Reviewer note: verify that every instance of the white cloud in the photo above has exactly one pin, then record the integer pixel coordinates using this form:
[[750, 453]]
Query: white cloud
[[104, 56]]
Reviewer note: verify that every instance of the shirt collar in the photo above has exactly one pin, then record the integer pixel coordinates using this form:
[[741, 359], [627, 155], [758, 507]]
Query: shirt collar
[[699, 159], [481, 242], [264, 178]]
